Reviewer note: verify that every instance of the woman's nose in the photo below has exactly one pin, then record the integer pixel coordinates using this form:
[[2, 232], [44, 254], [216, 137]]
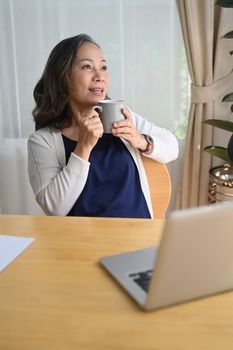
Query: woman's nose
[[98, 75]]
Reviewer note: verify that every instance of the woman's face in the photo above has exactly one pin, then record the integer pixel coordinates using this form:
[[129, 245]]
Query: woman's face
[[89, 77]]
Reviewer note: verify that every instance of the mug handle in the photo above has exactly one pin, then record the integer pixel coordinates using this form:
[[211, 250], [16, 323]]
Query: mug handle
[[98, 109]]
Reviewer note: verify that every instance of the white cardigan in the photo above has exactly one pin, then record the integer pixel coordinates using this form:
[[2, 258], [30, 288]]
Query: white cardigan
[[57, 186]]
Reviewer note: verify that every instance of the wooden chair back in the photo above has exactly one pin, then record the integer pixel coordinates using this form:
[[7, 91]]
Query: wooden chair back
[[160, 186]]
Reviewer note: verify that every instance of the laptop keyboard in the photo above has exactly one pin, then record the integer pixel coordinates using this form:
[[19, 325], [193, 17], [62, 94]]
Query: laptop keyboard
[[142, 279]]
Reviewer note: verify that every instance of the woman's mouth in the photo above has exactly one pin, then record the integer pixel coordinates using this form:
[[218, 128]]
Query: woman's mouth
[[97, 91]]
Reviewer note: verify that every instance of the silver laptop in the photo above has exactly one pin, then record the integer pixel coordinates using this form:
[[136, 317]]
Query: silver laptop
[[194, 259]]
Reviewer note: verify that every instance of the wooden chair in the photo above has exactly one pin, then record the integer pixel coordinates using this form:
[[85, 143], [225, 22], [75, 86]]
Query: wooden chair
[[160, 186]]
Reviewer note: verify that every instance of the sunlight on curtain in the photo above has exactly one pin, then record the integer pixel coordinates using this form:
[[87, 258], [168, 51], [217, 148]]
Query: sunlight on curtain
[[142, 43]]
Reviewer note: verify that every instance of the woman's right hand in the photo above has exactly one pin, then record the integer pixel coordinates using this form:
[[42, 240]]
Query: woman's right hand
[[90, 130]]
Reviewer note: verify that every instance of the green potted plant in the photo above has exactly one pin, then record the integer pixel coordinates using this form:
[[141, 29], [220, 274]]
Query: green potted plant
[[221, 178]]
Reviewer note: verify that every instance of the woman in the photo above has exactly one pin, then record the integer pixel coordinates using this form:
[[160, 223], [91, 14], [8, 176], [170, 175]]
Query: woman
[[75, 168]]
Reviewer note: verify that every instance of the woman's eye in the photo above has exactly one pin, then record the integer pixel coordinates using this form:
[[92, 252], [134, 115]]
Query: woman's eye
[[86, 66], [104, 68]]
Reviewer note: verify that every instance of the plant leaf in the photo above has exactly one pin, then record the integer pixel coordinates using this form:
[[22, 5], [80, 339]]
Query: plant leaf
[[228, 98], [219, 123], [224, 3], [228, 35], [218, 151]]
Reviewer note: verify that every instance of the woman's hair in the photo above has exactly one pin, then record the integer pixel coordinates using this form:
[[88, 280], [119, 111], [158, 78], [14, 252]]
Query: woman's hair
[[51, 93]]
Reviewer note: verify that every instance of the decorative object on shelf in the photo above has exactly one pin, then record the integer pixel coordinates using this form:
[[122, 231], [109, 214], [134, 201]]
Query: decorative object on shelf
[[221, 177]]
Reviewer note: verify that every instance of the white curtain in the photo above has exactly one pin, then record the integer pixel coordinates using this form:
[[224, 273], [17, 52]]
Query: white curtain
[[143, 45]]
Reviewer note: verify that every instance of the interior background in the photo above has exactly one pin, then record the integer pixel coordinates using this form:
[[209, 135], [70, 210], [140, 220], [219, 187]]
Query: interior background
[[144, 49]]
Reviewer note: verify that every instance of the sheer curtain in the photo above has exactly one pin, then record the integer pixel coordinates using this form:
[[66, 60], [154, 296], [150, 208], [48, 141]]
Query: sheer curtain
[[143, 45]]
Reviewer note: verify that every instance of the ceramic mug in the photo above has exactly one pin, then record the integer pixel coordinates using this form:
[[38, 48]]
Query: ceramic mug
[[110, 112]]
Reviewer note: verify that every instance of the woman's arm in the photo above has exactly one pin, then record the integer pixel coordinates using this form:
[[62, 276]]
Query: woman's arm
[[165, 148], [56, 187]]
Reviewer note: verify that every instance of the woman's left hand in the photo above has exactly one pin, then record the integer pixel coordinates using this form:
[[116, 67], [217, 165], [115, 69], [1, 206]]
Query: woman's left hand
[[127, 131]]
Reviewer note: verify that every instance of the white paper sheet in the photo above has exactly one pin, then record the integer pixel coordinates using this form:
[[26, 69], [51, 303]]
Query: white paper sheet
[[11, 247]]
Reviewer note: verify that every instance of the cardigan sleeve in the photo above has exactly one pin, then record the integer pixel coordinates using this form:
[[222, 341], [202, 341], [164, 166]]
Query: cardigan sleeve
[[56, 187], [165, 147]]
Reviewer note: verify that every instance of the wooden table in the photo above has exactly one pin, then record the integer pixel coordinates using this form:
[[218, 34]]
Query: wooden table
[[57, 296]]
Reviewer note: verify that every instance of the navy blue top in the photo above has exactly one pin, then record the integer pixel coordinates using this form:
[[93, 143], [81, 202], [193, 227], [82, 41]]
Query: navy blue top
[[113, 187]]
